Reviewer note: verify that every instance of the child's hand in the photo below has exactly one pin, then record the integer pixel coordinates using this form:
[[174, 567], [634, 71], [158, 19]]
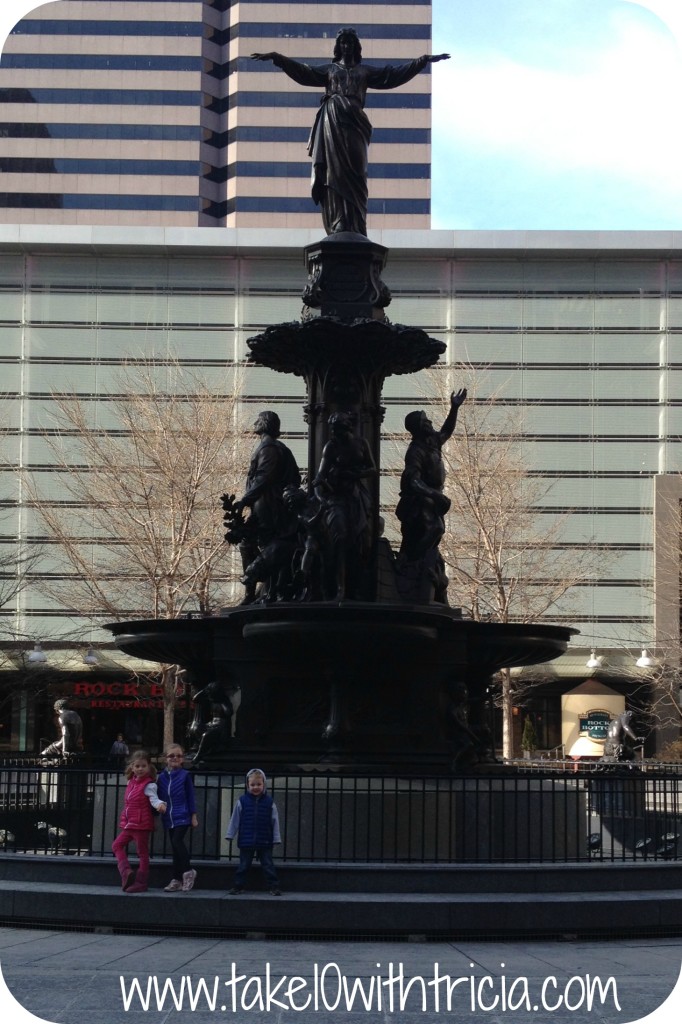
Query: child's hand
[[161, 808], [195, 821]]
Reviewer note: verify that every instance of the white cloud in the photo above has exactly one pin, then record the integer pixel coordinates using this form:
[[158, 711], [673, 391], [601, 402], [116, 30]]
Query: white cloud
[[614, 110]]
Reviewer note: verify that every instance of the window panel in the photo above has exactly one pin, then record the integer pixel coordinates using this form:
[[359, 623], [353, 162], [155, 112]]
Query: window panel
[[60, 307], [561, 311], [579, 528], [424, 276], [605, 600], [481, 275], [626, 385], [638, 420], [487, 312], [627, 348], [487, 348], [627, 311], [558, 348], [629, 456], [261, 310], [202, 309], [11, 307], [48, 271], [568, 383], [260, 380], [270, 275], [127, 307], [10, 340], [425, 312]]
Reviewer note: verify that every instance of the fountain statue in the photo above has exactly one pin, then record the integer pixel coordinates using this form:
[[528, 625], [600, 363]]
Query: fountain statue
[[346, 654]]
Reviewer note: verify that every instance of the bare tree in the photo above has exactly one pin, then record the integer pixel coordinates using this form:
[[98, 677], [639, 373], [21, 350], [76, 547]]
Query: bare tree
[[506, 553], [662, 694], [140, 533], [18, 556]]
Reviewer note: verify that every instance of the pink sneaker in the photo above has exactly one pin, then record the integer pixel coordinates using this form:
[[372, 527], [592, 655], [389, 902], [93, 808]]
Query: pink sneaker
[[175, 885], [188, 880]]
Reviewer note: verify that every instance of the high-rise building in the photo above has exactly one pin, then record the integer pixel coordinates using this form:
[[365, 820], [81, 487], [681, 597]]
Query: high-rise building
[[577, 333], [152, 112]]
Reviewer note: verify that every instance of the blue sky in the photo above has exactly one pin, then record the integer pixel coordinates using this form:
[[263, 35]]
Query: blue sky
[[557, 114]]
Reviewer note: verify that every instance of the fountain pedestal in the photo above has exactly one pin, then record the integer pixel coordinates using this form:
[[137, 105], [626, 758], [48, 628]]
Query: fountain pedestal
[[384, 682]]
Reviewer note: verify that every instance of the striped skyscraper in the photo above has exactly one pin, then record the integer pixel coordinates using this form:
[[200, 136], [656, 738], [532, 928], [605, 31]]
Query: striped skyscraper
[[152, 112]]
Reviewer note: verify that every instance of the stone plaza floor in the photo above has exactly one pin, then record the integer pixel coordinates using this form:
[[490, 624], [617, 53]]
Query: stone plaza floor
[[77, 977]]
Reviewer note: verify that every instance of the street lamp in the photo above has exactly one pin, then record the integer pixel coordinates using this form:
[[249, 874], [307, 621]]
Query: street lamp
[[37, 656], [645, 661]]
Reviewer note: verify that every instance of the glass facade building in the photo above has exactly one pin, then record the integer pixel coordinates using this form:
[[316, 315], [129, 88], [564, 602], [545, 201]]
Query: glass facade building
[[585, 342], [152, 112], [580, 333]]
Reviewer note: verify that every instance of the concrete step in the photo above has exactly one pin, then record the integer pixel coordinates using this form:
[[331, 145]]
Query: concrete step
[[352, 900], [592, 876]]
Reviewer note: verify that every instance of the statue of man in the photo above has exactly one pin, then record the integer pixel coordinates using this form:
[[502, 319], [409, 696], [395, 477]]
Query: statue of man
[[273, 467], [422, 505], [71, 731], [340, 136]]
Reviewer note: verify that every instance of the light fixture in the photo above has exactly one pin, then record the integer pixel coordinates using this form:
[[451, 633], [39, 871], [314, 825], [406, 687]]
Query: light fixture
[[645, 661], [90, 658], [37, 656], [593, 661]]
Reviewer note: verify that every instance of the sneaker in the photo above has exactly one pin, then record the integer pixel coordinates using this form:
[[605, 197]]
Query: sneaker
[[234, 892], [127, 879], [175, 885], [188, 880], [275, 892]]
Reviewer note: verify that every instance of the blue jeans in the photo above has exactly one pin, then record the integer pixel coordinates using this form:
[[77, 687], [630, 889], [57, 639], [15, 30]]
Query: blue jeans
[[246, 855]]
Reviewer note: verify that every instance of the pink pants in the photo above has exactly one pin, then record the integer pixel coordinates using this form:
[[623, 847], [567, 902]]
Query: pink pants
[[120, 848]]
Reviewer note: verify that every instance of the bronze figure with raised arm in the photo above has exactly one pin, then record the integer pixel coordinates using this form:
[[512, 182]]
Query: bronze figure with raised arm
[[340, 136], [423, 505]]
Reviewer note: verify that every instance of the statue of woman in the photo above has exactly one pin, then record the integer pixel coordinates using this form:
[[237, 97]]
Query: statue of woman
[[346, 507], [340, 136]]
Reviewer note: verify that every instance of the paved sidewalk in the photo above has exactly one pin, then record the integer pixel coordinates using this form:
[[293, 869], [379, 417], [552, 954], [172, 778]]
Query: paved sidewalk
[[73, 977]]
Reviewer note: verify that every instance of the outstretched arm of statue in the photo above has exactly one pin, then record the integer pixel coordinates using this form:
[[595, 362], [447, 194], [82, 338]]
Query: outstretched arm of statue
[[456, 399], [434, 57], [304, 74]]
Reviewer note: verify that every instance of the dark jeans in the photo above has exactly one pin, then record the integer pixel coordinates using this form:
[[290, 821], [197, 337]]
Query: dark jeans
[[180, 854], [246, 855]]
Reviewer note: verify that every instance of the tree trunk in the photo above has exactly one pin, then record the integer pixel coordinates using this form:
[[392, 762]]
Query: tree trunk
[[507, 714], [168, 680]]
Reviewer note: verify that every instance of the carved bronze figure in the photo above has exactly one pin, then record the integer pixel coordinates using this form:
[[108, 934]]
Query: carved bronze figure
[[262, 538], [340, 136], [346, 506], [71, 732], [423, 505]]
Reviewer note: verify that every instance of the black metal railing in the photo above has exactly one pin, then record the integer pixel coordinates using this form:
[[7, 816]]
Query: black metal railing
[[539, 815]]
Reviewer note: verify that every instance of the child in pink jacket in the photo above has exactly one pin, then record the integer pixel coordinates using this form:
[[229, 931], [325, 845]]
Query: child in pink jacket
[[137, 821]]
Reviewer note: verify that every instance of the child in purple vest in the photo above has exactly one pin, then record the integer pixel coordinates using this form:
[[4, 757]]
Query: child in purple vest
[[176, 789], [255, 823], [137, 821]]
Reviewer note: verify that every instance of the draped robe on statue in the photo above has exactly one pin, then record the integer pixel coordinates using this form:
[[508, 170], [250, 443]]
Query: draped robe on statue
[[340, 136]]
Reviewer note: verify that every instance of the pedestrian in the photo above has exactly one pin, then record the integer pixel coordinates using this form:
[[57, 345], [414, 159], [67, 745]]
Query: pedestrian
[[137, 821], [119, 750], [255, 823], [176, 789]]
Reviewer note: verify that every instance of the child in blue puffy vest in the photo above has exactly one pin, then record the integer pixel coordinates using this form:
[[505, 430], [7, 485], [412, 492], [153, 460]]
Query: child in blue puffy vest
[[255, 823]]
